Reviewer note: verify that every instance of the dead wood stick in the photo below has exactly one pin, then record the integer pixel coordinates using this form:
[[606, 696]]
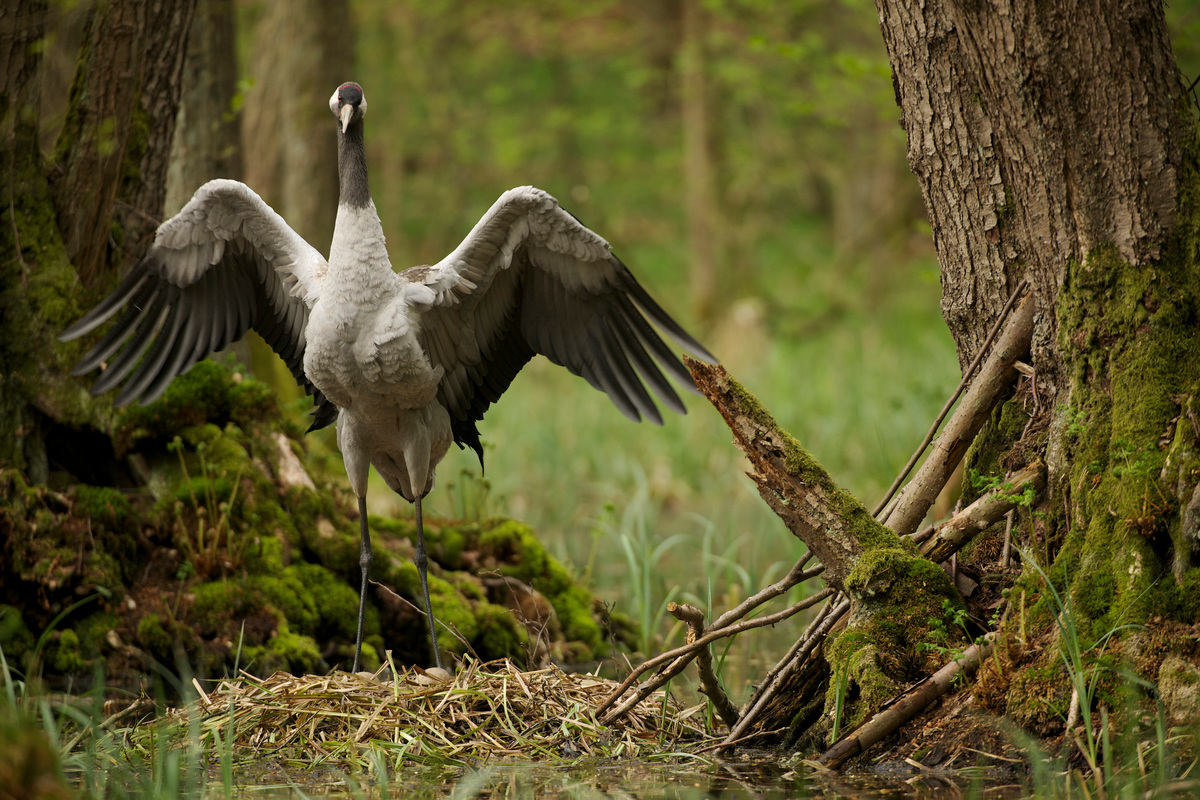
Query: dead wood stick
[[754, 711], [982, 514], [769, 679], [968, 374], [796, 575], [907, 706], [1007, 551], [827, 518], [683, 655], [984, 391], [709, 685]]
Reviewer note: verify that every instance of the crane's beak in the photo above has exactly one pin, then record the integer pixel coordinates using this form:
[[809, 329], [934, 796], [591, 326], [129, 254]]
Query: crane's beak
[[345, 114]]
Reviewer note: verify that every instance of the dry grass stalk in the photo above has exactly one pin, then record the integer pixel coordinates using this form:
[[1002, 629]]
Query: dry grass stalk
[[487, 711]]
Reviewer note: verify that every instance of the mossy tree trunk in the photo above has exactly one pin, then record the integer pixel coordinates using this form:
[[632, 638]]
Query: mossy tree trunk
[[97, 202], [1054, 142]]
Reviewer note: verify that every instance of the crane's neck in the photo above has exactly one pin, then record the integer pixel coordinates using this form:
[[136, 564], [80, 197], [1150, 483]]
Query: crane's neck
[[358, 254], [352, 168]]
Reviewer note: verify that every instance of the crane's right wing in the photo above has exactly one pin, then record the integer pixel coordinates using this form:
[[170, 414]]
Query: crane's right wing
[[225, 264]]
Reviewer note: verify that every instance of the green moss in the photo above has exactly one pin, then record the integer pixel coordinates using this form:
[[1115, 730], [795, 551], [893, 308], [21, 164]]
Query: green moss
[[15, 636], [212, 392], [264, 553], [450, 607], [514, 545], [1038, 699], [68, 655], [286, 652], [152, 635], [500, 635], [104, 506]]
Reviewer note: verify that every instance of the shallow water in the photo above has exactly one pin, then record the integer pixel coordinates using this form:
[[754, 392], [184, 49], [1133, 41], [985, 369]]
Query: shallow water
[[760, 774]]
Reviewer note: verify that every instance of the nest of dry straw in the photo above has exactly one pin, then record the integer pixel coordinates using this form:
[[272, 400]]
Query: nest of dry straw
[[484, 712]]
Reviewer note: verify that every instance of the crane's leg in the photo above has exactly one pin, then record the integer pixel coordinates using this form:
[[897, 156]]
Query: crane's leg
[[364, 561], [422, 568]]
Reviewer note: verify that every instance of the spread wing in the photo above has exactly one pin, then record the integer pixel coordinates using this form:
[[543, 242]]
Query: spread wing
[[528, 279], [224, 264]]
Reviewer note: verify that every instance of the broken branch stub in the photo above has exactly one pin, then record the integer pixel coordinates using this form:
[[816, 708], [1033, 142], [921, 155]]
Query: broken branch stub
[[832, 522]]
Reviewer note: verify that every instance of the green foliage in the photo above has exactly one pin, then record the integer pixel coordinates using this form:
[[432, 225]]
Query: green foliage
[[951, 623]]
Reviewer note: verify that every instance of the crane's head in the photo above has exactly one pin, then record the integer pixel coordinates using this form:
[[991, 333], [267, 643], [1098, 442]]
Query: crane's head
[[348, 104]]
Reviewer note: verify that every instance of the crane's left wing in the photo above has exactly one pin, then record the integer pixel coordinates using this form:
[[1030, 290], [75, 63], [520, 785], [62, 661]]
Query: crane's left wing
[[530, 278]]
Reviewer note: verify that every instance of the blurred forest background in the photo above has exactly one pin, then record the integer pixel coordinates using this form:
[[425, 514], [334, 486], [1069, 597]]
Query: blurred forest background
[[743, 157]]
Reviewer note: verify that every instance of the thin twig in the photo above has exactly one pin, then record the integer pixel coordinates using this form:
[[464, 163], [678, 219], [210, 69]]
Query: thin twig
[[725, 744], [709, 685], [683, 655], [140, 706], [962, 385], [796, 575], [750, 716], [1008, 526]]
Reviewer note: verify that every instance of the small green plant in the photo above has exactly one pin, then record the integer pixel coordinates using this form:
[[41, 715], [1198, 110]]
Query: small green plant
[[211, 542], [634, 532], [942, 628], [469, 496]]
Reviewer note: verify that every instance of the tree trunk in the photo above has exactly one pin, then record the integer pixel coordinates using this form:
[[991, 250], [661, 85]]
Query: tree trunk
[[1054, 142], [303, 50], [105, 186], [114, 147], [207, 142]]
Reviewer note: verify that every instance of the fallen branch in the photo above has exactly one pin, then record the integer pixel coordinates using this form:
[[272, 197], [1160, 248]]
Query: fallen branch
[[982, 514], [907, 706], [796, 575], [709, 685], [968, 374], [830, 520], [997, 372]]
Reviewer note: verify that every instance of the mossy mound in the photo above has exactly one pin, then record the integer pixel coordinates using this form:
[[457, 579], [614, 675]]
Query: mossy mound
[[221, 551]]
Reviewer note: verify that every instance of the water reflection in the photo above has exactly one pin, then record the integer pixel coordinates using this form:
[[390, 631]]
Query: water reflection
[[760, 774]]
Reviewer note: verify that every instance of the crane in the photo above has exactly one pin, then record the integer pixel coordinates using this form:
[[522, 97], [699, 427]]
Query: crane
[[404, 363]]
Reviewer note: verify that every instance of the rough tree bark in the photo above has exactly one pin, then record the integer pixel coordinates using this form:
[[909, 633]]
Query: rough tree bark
[[114, 147], [1054, 142]]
